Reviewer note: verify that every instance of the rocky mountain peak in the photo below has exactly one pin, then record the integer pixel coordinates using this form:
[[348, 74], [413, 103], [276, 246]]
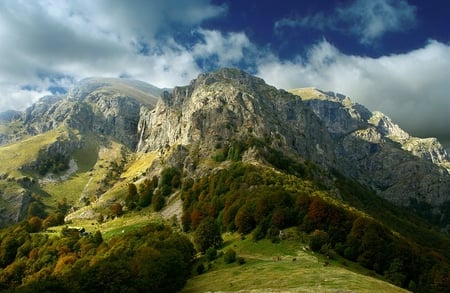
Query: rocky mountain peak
[[227, 105], [371, 148]]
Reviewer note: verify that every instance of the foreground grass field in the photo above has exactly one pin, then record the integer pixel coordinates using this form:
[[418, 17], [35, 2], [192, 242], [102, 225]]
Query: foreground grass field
[[270, 267]]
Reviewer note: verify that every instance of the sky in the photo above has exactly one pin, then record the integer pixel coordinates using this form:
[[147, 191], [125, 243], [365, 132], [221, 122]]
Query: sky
[[389, 55]]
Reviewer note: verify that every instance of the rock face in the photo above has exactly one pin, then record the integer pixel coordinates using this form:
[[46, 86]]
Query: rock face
[[13, 205], [104, 106], [372, 149], [232, 105]]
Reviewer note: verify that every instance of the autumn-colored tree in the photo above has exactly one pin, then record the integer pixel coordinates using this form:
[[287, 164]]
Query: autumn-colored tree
[[35, 224], [318, 213], [196, 218], [53, 220], [244, 220], [116, 209]]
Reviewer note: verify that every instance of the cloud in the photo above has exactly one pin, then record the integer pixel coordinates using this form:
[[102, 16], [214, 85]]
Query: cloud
[[412, 88], [45, 39], [368, 20], [218, 50]]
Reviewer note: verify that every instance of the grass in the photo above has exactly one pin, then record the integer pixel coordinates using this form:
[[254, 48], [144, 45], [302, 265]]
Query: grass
[[261, 273], [141, 163], [97, 163], [127, 222], [16, 155], [11, 128]]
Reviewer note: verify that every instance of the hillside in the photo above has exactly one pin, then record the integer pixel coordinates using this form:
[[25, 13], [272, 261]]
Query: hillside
[[228, 149]]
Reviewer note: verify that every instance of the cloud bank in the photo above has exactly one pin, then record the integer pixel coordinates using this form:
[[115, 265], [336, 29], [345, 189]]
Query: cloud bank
[[412, 88]]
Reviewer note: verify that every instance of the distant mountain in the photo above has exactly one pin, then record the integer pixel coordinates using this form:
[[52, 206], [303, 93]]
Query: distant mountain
[[227, 134]]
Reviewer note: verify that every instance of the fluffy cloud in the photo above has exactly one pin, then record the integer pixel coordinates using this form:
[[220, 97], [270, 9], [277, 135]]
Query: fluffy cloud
[[412, 88], [368, 20], [47, 42], [221, 50]]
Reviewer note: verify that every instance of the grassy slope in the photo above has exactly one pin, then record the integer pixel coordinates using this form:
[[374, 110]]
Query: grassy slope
[[261, 273], [26, 151]]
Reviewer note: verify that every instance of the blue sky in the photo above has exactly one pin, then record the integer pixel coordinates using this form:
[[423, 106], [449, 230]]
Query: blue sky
[[390, 55]]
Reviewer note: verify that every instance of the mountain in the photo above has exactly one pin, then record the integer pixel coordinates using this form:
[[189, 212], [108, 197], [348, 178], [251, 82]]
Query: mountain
[[228, 146], [408, 171], [188, 126]]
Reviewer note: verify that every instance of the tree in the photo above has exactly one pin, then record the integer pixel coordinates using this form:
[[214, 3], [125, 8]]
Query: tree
[[35, 224], [244, 220], [158, 202], [132, 196], [317, 239], [116, 209], [207, 235]]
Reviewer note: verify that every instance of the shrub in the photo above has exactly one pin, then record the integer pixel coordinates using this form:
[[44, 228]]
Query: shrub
[[200, 269], [317, 239], [211, 254], [229, 256]]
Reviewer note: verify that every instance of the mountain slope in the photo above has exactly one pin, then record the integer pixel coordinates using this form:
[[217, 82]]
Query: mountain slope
[[254, 158], [405, 170]]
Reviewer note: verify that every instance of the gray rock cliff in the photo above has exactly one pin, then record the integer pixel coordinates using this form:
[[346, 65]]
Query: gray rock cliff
[[231, 105], [374, 150]]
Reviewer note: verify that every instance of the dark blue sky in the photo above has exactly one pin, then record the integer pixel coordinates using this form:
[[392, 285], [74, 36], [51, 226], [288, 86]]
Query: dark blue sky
[[257, 19]]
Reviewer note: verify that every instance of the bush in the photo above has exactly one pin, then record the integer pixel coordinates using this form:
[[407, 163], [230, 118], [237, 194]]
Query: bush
[[241, 260], [317, 239], [200, 269], [229, 256], [211, 254]]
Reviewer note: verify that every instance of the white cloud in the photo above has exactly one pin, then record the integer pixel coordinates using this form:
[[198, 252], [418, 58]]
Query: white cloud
[[228, 49], [45, 40], [413, 88], [368, 20], [371, 19]]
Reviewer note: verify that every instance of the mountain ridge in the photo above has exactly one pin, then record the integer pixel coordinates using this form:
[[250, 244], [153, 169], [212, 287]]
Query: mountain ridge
[[229, 105], [229, 148]]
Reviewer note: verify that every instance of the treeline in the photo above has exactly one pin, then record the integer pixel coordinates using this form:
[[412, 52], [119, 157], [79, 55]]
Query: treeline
[[55, 164], [150, 259], [153, 191], [261, 202]]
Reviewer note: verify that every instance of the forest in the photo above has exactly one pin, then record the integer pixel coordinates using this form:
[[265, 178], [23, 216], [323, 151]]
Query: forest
[[261, 202], [150, 259], [336, 215]]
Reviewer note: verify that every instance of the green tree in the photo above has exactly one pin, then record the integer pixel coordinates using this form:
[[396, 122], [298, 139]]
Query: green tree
[[158, 201], [229, 256], [317, 239], [207, 235], [132, 196]]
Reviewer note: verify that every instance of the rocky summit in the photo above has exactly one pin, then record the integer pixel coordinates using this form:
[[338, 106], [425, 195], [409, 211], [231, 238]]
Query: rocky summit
[[190, 125]]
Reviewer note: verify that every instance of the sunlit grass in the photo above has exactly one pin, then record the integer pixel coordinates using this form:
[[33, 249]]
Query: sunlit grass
[[14, 156], [139, 165], [263, 272]]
